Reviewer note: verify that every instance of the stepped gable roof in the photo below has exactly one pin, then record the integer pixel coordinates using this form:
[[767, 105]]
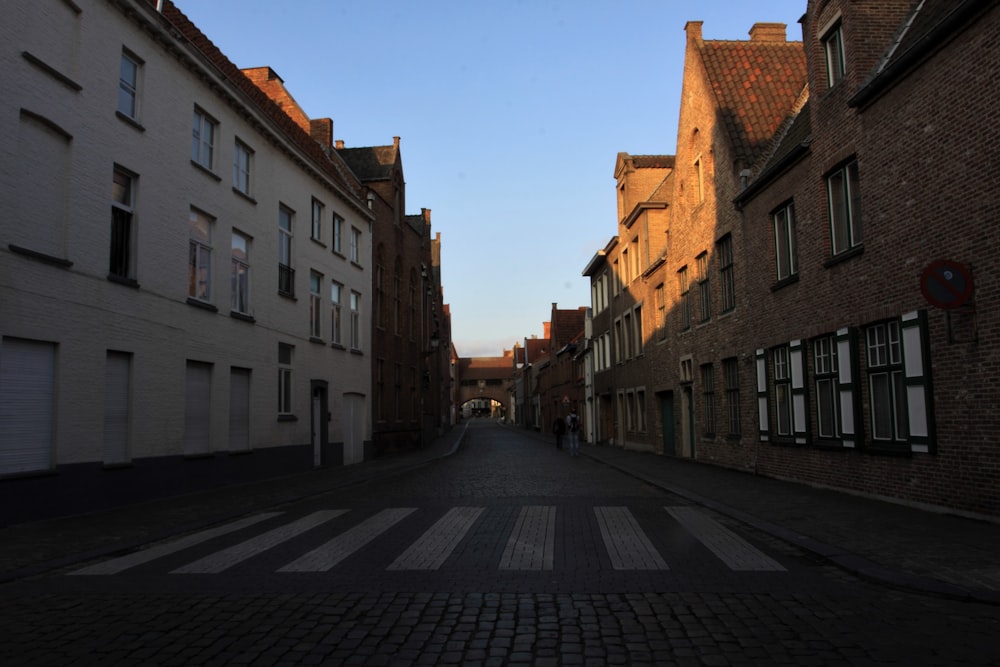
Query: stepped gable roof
[[567, 326], [333, 168], [371, 163], [756, 84]]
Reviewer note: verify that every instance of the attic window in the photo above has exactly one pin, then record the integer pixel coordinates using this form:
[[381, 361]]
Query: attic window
[[833, 50]]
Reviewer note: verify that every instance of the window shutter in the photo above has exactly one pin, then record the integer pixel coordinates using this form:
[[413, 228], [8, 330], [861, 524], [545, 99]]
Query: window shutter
[[797, 362], [847, 385], [763, 409], [916, 367]]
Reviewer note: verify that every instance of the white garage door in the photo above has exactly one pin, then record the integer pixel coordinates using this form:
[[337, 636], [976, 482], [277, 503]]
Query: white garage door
[[27, 389]]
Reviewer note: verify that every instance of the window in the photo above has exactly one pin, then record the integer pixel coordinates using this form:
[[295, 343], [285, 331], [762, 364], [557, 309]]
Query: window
[[413, 308], [638, 329], [286, 274], [128, 86], [699, 183], [629, 337], [825, 375], [316, 231], [355, 321], [122, 212], [285, 378], [833, 49], [885, 382], [640, 410], [685, 290], [782, 391], [240, 274], [708, 398], [731, 377], [242, 159], [704, 293], [661, 312], [379, 295], [784, 242], [355, 245], [336, 291], [397, 305], [338, 232], [724, 251], [199, 256], [203, 139], [315, 305], [844, 197]]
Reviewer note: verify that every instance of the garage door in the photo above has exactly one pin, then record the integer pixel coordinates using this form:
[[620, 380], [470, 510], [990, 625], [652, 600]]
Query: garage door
[[27, 389], [197, 408]]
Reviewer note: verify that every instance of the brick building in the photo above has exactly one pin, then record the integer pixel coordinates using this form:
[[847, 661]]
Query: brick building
[[797, 338], [185, 269]]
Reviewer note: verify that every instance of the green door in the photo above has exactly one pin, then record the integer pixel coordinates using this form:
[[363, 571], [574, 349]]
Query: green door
[[667, 417]]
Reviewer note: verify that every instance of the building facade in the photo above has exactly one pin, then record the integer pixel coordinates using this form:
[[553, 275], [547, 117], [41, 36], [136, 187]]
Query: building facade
[[186, 266], [824, 301]]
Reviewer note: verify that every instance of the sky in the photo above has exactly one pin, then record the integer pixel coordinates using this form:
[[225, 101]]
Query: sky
[[510, 113]]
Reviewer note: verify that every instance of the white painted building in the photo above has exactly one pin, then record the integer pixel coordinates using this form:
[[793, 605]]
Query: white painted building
[[184, 270]]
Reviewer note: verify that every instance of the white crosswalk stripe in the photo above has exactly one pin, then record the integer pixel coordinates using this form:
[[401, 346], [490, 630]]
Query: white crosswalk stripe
[[326, 556], [733, 550], [530, 545], [626, 542], [223, 560], [433, 548], [116, 565]]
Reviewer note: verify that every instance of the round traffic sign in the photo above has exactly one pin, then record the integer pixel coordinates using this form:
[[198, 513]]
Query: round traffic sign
[[946, 284]]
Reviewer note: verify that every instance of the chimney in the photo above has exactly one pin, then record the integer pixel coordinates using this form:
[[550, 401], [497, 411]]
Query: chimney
[[321, 129], [546, 330], [395, 143], [767, 32], [339, 144], [693, 31]]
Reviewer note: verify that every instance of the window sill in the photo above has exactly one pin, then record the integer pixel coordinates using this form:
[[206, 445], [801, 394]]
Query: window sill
[[206, 170], [287, 295], [356, 351], [785, 282], [339, 254], [41, 256], [357, 266], [318, 341], [191, 301], [317, 242], [897, 449], [844, 256], [130, 121], [122, 280], [236, 315], [337, 346], [287, 418], [244, 195]]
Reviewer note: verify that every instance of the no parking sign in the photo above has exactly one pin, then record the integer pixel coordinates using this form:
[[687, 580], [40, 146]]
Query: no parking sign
[[946, 284]]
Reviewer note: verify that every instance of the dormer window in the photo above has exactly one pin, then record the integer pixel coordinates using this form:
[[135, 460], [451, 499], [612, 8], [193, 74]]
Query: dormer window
[[833, 49]]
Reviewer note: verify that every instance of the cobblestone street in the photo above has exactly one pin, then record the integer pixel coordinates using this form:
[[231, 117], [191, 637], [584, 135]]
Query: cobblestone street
[[506, 552]]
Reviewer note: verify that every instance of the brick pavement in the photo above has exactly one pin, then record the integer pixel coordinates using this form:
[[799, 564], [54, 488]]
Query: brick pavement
[[891, 543]]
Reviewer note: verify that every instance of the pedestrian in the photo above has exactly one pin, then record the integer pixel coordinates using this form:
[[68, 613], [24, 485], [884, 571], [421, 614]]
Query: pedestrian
[[573, 426], [559, 428]]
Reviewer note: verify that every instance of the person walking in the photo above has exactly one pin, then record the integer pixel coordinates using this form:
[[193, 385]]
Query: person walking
[[573, 426], [559, 428]]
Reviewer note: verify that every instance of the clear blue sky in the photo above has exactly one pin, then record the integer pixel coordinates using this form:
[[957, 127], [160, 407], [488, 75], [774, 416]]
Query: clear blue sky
[[510, 114]]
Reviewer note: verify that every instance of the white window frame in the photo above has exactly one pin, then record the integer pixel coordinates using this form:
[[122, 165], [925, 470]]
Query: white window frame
[[785, 250], [336, 312], [285, 255], [203, 133], [338, 234], [833, 53], [121, 253], [355, 320], [704, 288], [200, 255], [316, 229], [315, 305], [240, 273], [355, 245], [844, 207], [827, 386], [886, 381], [129, 85], [242, 167]]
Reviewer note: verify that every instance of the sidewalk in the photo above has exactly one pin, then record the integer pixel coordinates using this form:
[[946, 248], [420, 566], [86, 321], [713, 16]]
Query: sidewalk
[[887, 542], [32, 548]]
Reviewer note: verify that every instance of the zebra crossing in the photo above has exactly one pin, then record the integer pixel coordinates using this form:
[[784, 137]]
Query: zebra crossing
[[530, 545]]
